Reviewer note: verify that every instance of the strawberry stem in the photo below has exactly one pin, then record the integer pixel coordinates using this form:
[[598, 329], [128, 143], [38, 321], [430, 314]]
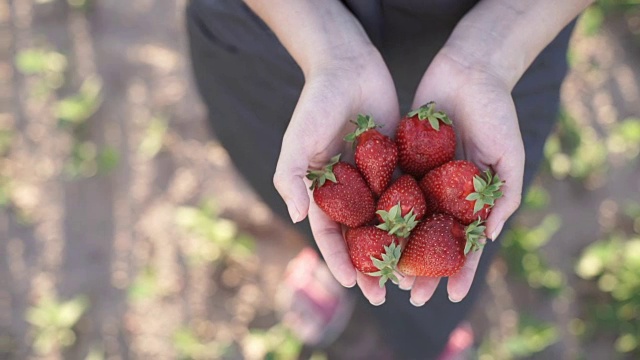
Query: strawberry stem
[[427, 112], [474, 233], [395, 223], [363, 124], [387, 266], [487, 190], [319, 177]]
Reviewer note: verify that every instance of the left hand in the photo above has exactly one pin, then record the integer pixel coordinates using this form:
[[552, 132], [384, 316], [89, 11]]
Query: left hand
[[480, 105]]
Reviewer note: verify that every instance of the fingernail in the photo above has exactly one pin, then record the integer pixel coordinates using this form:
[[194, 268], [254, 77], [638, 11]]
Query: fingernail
[[380, 303], [415, 303], [293, 212], [497, 231], [350, 286], [453, 300], [403, 288]]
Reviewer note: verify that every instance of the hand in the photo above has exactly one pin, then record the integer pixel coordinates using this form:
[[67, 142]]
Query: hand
[[480, 105], [357, 81]]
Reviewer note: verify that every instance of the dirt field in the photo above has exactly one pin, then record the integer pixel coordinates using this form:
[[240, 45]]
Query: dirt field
[[126, 233]]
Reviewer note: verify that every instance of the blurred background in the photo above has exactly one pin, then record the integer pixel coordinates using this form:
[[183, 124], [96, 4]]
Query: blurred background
[[126, 233]]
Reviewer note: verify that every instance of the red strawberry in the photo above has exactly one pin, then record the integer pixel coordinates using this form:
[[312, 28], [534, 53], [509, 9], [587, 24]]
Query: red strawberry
[[406, 193], [373, 252], [438, 246], [376, 154], [345, 198], [425, 145], [457, 188]]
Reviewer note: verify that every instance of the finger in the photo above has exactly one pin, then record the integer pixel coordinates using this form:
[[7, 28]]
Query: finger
[[511, 171], [328, 236], [406, 283], [371, 289], [290, 174], [460, 283], [422, 290]]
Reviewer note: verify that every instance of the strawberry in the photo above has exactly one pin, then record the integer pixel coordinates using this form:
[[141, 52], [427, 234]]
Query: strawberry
[[373, 252], [425, 145], [438, 246], [458, 188], [400, 206], [376, 155], [345, 198]]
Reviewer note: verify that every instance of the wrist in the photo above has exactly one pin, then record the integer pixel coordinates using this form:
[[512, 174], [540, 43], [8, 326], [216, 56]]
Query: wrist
[[485, 59], [353, 57]]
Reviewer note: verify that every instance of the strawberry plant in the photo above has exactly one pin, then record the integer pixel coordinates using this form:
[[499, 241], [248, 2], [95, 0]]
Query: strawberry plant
[[213, 237], [530, 337], [47, 67], [78, 108], [53, 321], [153, 139], [188, 345], [624, 139], [521, 251], [144, 286], [576, 151], [274, 343], [613, 266]]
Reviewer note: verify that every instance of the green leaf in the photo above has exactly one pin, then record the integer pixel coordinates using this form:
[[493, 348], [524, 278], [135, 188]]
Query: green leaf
[[71, 311], [473, 233], [395, 210], [395, 229], [387, 267], [434, 123], [478, 183], [473, 196], [153, 139], [39, 61], [351, 137], [467, 247], [76, 109], [478, 206], [334, 160], [108, 159]]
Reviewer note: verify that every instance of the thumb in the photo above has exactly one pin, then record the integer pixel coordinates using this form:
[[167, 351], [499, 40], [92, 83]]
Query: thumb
[[290, 174]]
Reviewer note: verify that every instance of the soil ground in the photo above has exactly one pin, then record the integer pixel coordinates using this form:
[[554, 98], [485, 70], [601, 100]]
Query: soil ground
[[109, 232]]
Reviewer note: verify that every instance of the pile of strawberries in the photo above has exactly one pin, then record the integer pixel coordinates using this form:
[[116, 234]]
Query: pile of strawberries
[[426, 221]]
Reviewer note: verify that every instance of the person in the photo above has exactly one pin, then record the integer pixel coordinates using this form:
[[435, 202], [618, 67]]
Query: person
[[282, 78]]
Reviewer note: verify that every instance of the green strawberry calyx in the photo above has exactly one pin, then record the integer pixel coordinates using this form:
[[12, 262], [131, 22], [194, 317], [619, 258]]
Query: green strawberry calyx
[[474, 233], [363, 124], [487, 190], [319, 177], [387, 266], [396, 224], [427, 112]]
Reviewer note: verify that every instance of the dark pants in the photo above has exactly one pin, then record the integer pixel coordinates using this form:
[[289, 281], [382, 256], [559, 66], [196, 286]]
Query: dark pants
[[250, 85]]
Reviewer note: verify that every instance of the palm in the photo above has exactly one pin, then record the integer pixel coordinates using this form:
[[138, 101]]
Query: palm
[[488, 135], [331, 98]]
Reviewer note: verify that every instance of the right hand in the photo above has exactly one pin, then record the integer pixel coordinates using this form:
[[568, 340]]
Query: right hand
[[335, 91]]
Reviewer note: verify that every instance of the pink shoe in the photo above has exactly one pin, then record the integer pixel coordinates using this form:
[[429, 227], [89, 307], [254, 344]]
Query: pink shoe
[[311, 302], [460, 343]]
